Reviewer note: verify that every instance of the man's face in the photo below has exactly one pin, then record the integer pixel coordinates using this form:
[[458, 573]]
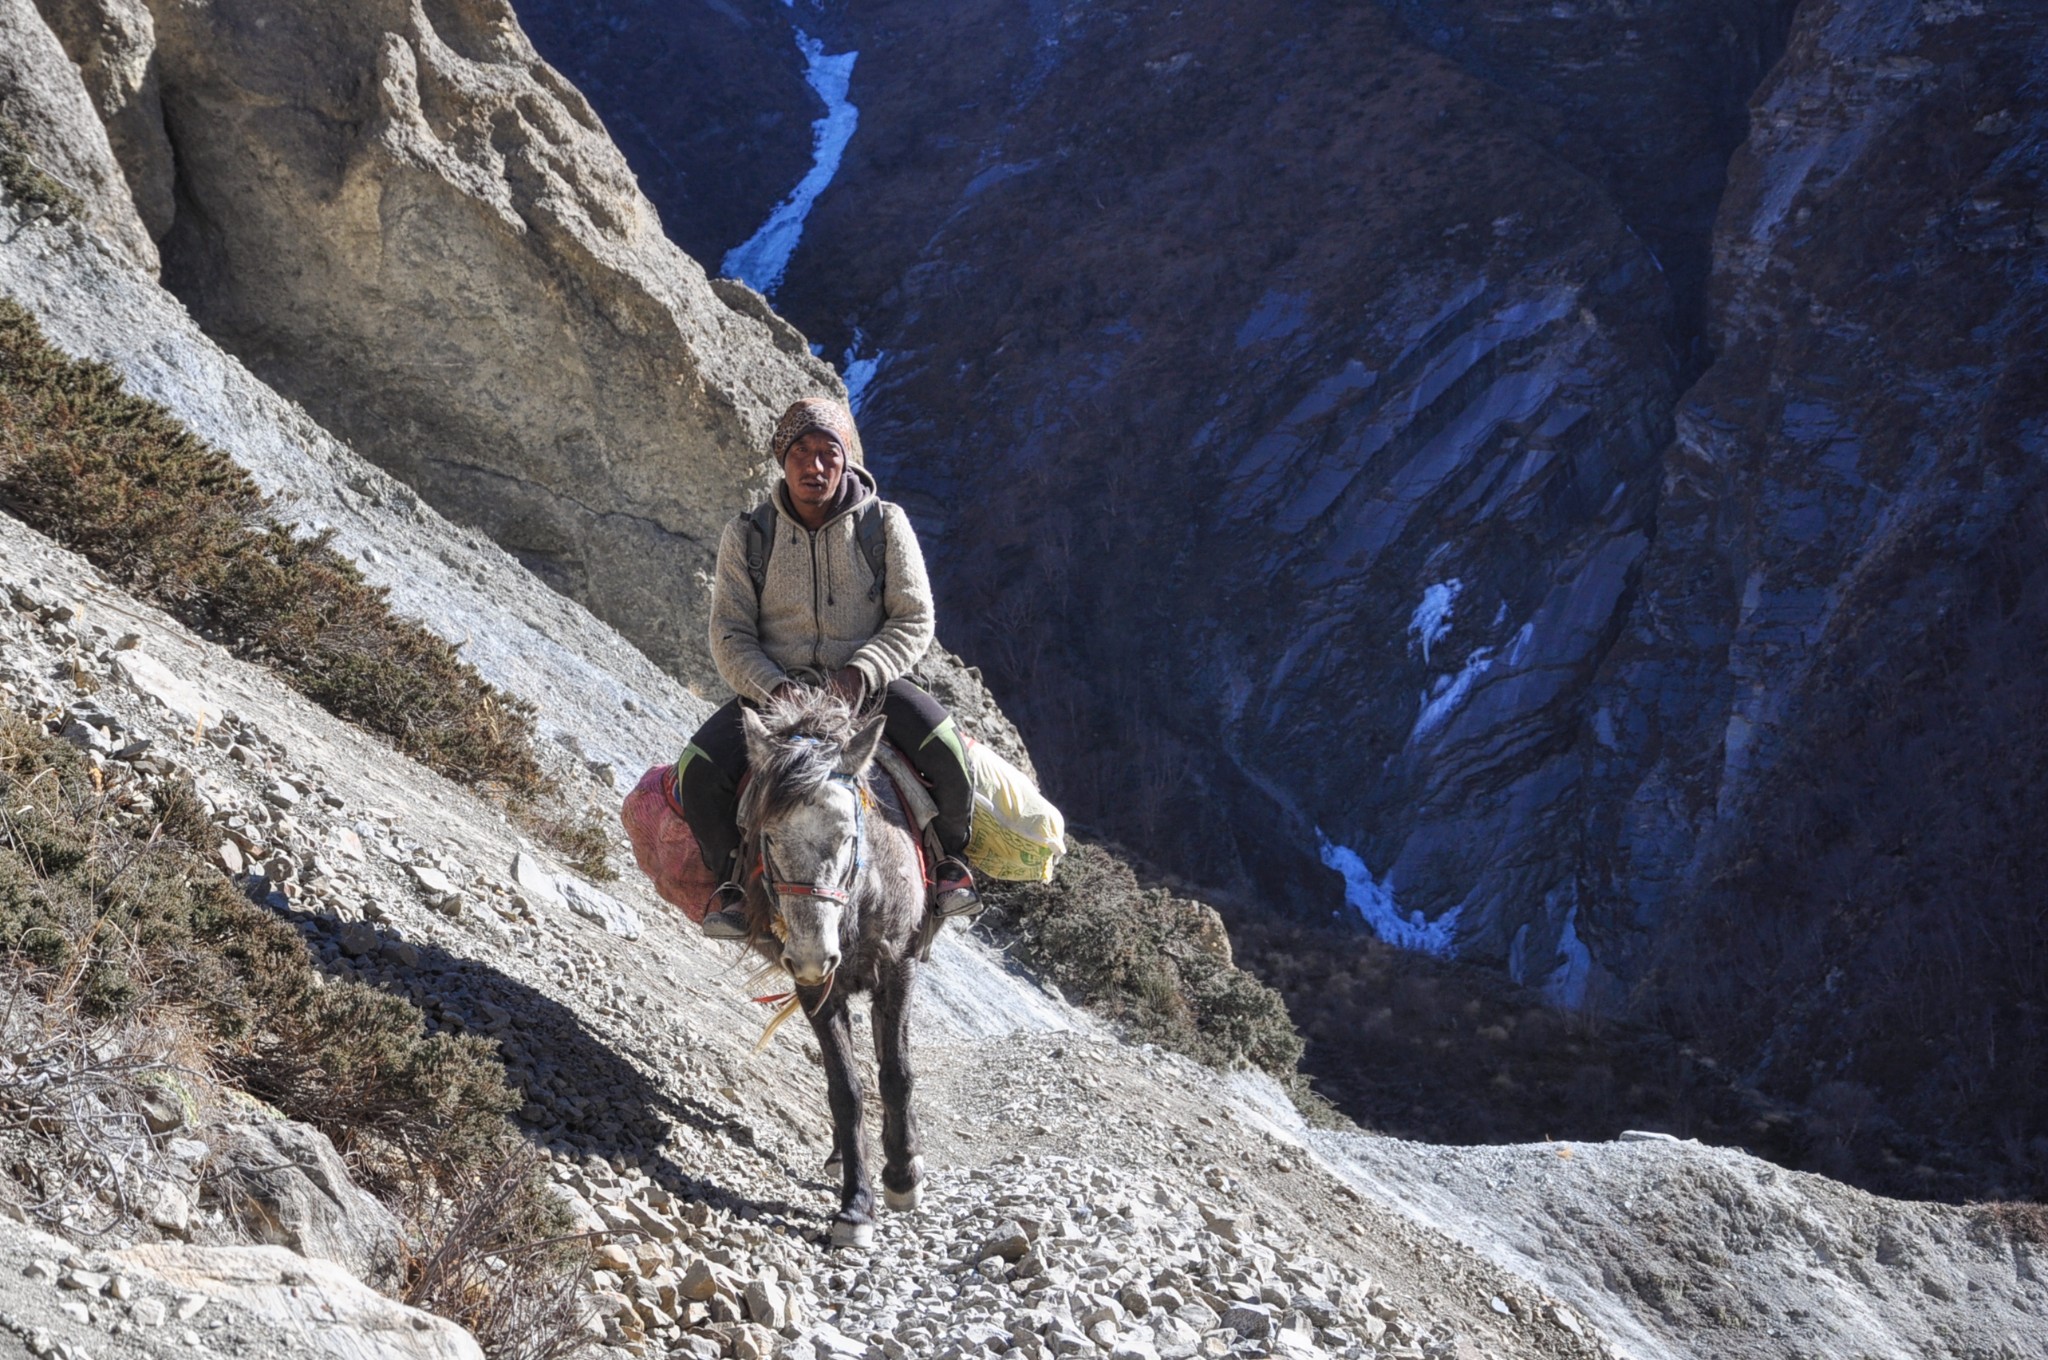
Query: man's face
[[813, 470]]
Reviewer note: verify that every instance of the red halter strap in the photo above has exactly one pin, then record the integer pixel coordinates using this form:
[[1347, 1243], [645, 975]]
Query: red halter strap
[[830, 894]]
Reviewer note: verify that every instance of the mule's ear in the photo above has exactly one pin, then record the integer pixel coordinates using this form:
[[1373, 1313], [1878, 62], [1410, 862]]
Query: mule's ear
[[859, 751], [759, 743]]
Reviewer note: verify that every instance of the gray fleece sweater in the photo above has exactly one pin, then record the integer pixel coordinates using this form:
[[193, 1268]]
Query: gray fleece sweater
[[814, 610]]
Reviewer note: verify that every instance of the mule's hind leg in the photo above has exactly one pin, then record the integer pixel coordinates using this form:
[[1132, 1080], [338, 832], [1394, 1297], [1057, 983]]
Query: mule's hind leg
[[902, 1167], [854, 1225]]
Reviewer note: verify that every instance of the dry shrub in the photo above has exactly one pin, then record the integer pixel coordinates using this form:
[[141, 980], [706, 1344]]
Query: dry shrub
[[1159, 963], [497, 1257], [583, 839], [113, 917], [132, 920], [2017, 1221], [123, 482], [71, 1105]]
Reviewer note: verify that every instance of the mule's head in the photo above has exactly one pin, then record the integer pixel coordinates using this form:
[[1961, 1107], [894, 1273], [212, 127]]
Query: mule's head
[[811, 823]]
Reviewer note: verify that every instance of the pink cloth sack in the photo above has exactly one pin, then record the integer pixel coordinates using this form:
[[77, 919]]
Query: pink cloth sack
[[663, 846]]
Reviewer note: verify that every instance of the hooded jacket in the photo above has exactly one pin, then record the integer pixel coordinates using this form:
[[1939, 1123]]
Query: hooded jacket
[[814, 611]]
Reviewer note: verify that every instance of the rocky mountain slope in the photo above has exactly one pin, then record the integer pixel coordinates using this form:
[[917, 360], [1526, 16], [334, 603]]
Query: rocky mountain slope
[[1507, 452], [1089, 1196]]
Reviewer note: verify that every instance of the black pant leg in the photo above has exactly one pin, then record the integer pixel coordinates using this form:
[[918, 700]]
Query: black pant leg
[[920, 727], [708, 786]]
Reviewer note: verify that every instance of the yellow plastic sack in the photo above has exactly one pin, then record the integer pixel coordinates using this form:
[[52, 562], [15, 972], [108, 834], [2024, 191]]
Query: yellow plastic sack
[[1018, 834]]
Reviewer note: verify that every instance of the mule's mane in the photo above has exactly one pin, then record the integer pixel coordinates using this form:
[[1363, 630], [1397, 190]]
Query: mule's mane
[[809, 729]]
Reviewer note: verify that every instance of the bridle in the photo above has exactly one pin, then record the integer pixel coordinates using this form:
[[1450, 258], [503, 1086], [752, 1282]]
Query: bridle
[[842, 892]]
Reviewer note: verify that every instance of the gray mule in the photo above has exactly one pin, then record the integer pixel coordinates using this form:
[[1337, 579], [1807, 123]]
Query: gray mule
[[841, 904]]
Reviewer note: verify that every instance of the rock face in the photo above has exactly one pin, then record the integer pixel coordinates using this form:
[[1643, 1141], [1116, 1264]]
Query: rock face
[[42, 102], [113, 43], [401, 216], [1649, 100], [1815, 756], [737, 133]]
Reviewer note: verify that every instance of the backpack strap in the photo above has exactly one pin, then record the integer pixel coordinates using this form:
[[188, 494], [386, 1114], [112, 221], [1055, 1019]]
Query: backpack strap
[[757, 527], [870, 532]]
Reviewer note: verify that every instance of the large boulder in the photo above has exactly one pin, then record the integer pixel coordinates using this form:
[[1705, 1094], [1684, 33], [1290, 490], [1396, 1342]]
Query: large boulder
[[282, 1183], [311, 1306], [47, 113], [397, 213]]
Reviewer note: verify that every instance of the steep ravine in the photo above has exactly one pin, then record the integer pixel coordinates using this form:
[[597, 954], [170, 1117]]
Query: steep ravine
[[1499, 450]]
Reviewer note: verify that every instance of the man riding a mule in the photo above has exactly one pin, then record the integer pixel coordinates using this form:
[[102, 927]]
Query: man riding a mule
[[822, 586]]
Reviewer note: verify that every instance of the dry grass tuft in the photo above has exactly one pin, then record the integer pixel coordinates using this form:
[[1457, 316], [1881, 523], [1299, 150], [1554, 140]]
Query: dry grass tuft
[[26, 181]]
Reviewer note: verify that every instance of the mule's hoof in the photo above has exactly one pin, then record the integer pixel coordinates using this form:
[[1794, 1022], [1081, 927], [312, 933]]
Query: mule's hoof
[[906, 1199], [835, 1165], [848, 1234]]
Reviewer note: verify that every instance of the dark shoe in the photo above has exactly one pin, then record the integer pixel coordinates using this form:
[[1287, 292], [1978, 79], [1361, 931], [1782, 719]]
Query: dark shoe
[[727, 917], [953, 891]]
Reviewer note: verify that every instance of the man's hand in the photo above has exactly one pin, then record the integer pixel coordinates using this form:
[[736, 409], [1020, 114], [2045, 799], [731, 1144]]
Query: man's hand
[[849, 684]]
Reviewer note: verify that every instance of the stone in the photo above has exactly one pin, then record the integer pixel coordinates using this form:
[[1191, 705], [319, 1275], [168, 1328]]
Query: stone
[[602, 908], [148, 1312], [1250, 1322], [287, 1186], [359, 939], [1008, 1242], [162, 1110], [767, 1304], [282, 1288], [432, 881], [750, 1342], [700, 1280], [1229, 1227], [170, 1210], [146, 675], [536, 882]]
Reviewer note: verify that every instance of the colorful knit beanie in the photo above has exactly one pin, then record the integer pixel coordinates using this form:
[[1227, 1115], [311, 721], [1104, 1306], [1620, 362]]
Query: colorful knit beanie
[[815, 413]]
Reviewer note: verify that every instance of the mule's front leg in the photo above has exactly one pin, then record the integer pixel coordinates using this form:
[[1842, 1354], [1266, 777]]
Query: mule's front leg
[[854, 1225], [902, 1167]]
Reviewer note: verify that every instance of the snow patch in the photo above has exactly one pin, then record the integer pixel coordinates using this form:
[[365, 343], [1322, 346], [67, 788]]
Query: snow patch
[[1449, 692], [1432, 618], [1373, 900], [761, 259], [1566, 986], [860, 372]]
